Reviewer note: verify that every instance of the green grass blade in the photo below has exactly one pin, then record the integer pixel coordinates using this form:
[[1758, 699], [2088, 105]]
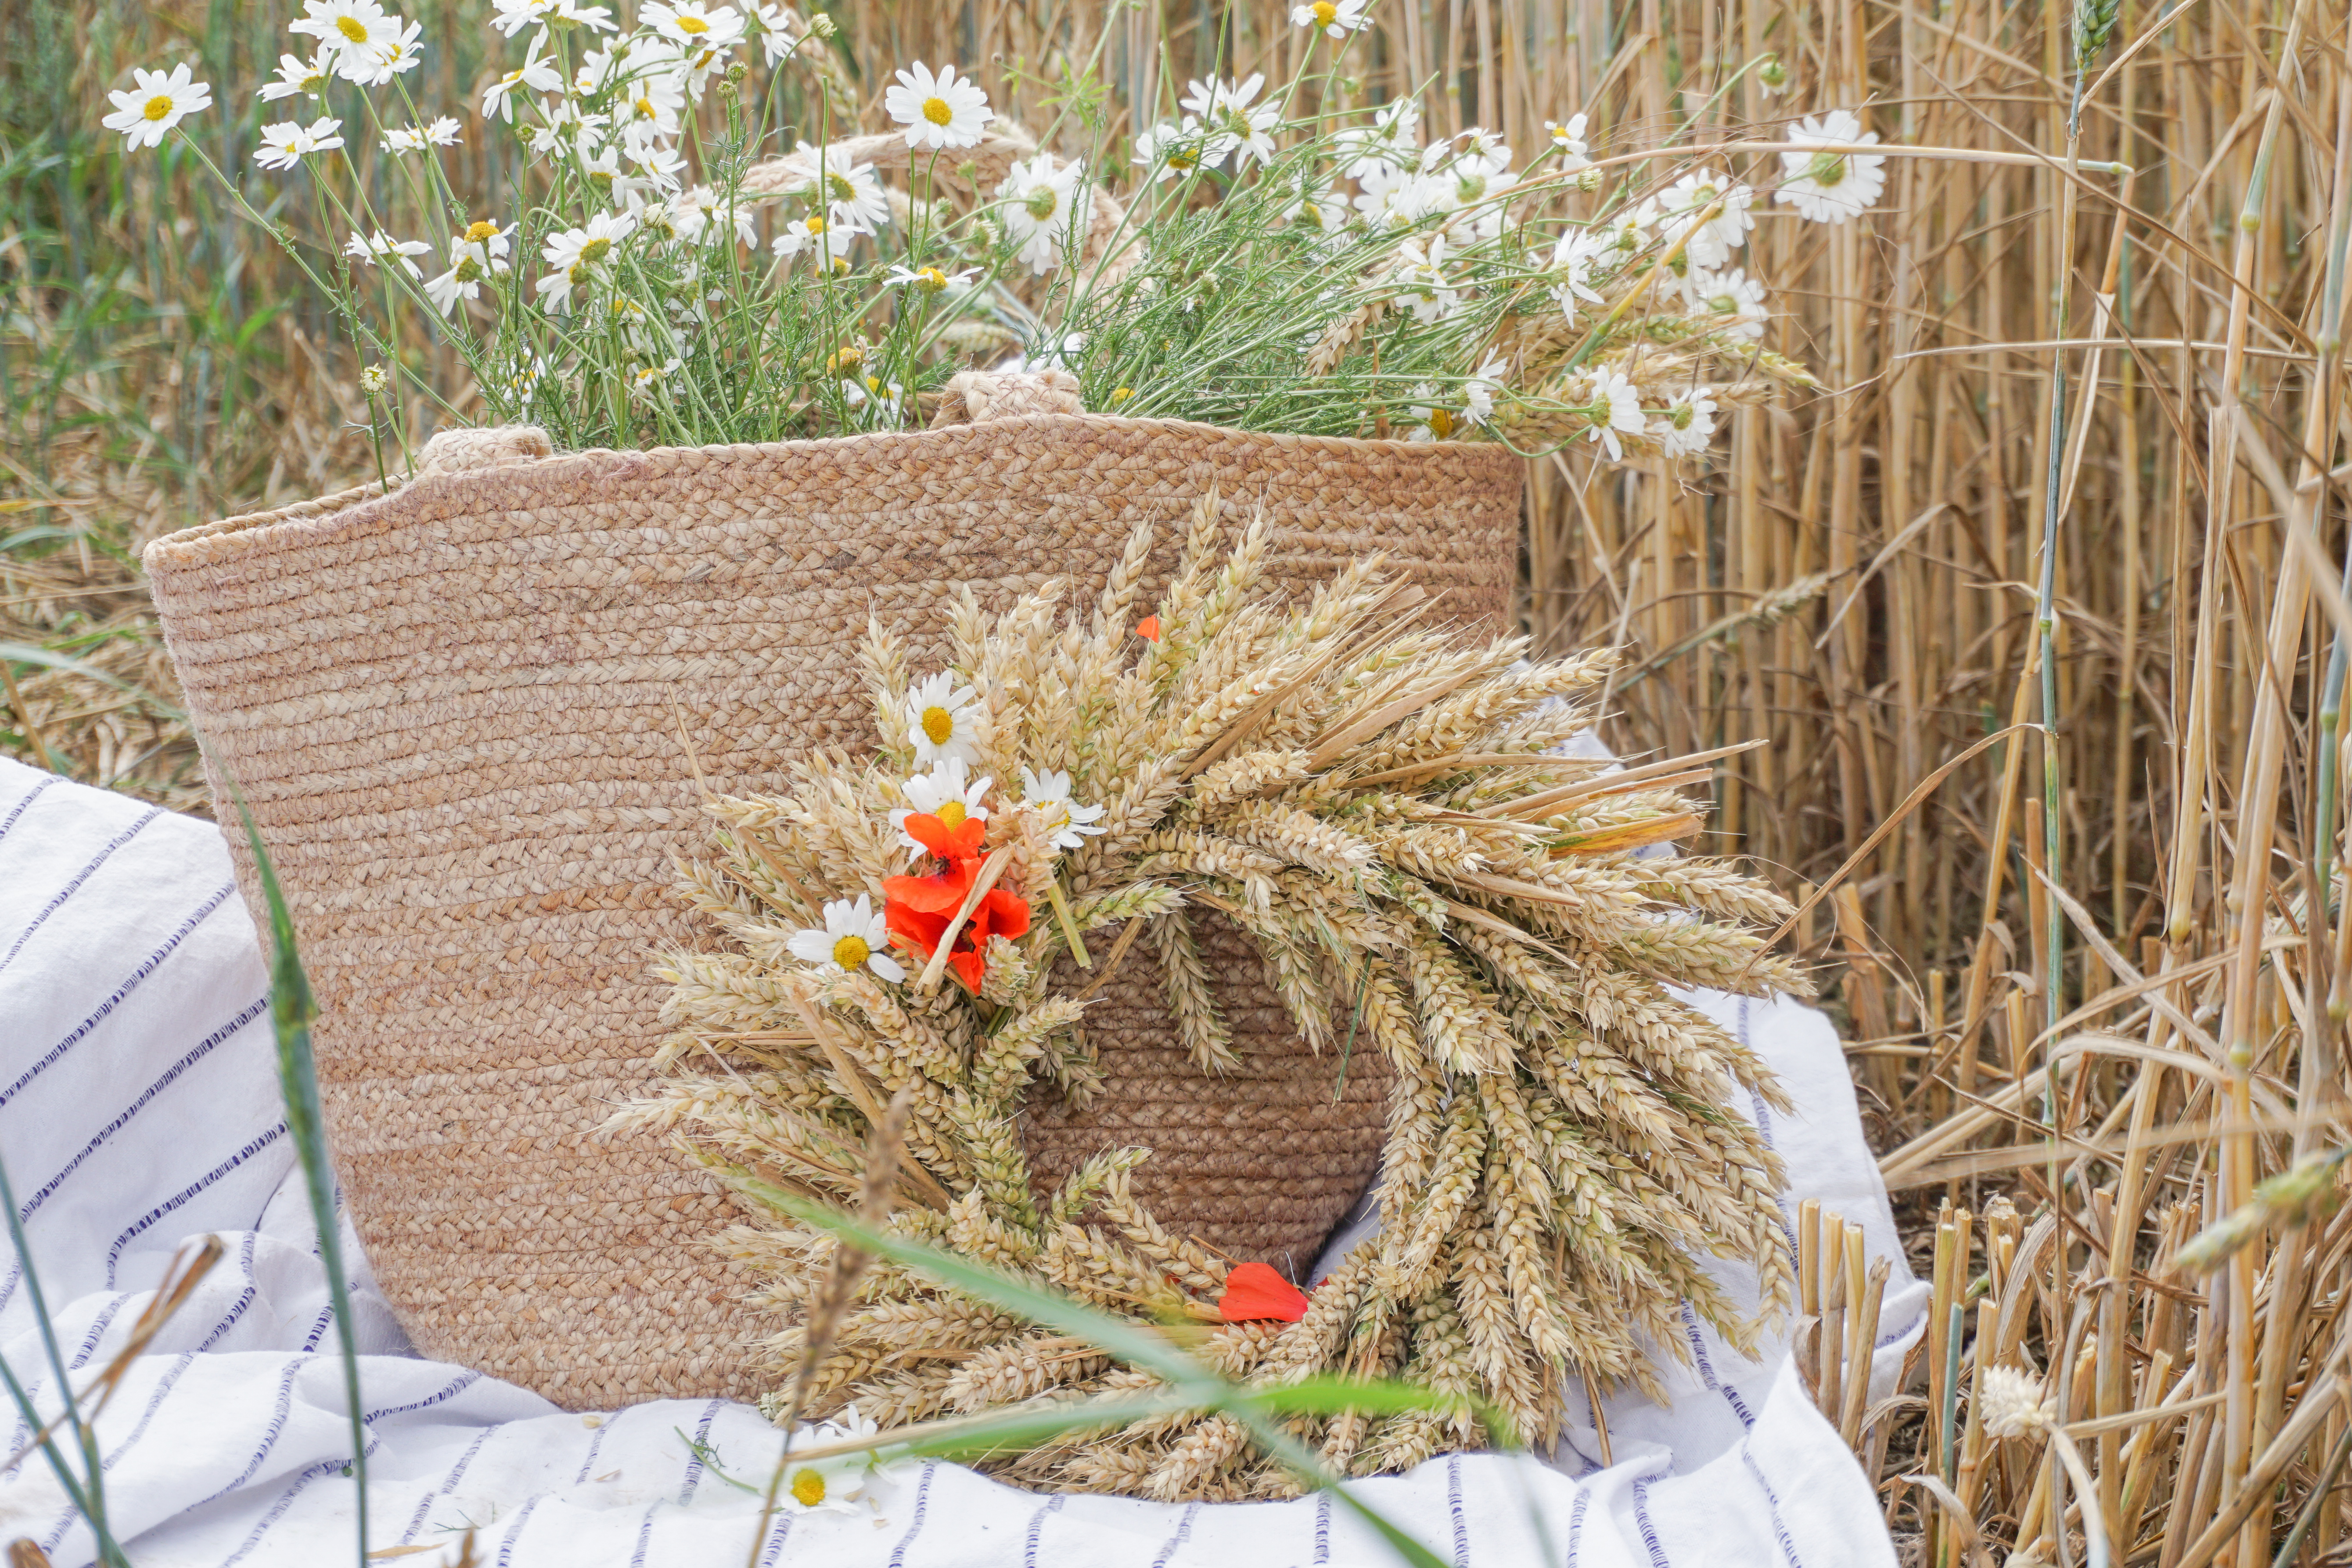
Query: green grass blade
[[26, 653], [292, 1008]]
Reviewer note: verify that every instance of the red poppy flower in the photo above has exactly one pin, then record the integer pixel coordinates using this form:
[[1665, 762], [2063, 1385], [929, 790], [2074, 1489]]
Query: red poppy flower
[[1254, 1291], [960, 842], [919, 908], [1148, 628]]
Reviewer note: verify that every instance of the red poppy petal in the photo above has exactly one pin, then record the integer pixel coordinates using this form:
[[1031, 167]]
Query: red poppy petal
[[941, 894], [969, 966], [1008, 913], [929, 832], [1254, 1291], [1148, 628], [914, 925]]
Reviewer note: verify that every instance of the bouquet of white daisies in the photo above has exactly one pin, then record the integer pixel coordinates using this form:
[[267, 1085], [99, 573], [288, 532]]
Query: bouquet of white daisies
[[701, 249]]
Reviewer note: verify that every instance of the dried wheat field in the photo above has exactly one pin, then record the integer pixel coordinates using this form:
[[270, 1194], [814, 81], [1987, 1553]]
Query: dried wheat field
[[2039, 605]]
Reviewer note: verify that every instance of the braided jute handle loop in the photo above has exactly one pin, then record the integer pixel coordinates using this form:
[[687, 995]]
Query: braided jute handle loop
[[491, 447], [979, 169], [973, 396]]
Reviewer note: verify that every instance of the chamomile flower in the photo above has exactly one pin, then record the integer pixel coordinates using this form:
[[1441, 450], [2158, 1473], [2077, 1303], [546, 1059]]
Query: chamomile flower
[[1692, 205], [442, 132], [948, 792], [513, 15], [1830, 187], [695, 26], [1230, 112], [815, 234], [367, 249], [940, 720], [1064, 823], [474, 256], [1772, 76], [1392, 138], [296, 74], [1733, 301], [536, 74], [1615, 410], [1321, 208], [854, 938], [1337, 18], [1684, 425], [1422, 271], [1173, 151], [156, 103], [1478, 391], [652, 102], [938, 111], [827, 1486], [1577, 260], [575, 254], [854, 196], [346, 25], [1433, 419], [373, 65], [1045, 208], [775, 25], [283, 146], [646, 381], [697, 208], [931, 280], [1568, 140]]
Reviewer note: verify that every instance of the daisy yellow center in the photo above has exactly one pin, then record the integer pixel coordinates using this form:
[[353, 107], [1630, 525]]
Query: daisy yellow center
[[1441, 423], [697, 25], [931, 280], [645, 110], [938, 724], [953, 814], [351, 27], [469, 270], [817, 226], [1121, 393], [159, 106], [477, 232], [1680, 414], [849, 952], [808, 1485], [938, 110], [1826, 169], [595, 251], [1183, 158], [1324, 13], [1042, 203]]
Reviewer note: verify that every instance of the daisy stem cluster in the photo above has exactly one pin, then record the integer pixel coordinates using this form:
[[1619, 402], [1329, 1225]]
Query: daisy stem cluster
[[699, 248]]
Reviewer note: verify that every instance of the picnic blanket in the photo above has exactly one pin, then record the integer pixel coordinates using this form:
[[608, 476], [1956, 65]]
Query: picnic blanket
[[139, 1108]]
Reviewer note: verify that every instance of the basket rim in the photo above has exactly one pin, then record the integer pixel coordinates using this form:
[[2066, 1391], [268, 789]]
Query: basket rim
[[161, 551]]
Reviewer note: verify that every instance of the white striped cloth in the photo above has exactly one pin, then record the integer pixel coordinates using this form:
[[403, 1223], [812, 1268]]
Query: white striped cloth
[[139, 1108]]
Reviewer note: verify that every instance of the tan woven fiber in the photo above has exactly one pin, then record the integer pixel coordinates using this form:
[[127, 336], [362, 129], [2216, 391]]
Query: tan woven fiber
[[455, 712]]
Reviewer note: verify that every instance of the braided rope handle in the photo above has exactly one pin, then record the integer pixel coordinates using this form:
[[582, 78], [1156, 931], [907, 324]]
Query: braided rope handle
[[980, 169]]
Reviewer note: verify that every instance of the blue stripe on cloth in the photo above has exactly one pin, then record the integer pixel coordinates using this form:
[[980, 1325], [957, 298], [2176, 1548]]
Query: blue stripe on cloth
[[645, 1534], [448, 1484], [98, 1328], [30, 796], [1454, 1507], [286, 1500], [171, 1076], [595, 1442], [245, 1299], [120, 992], [1037, 1528], [1576, 1522], [514, 1531], [1764, 1125], [1175, 1541], [1323, 1527], [1641, 1520], [180, 1364], [319, 1327], [782, 1532], [67, 891], [456, 1385], [271, 1433], [922, 1506], [1772, 1506], [155, 1214], [694, 1451]]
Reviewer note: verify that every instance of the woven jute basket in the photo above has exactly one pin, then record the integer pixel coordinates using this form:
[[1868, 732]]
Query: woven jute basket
[[468, 716]]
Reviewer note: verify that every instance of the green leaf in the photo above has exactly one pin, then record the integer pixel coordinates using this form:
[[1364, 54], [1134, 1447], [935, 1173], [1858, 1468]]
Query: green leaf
[[26, 653]]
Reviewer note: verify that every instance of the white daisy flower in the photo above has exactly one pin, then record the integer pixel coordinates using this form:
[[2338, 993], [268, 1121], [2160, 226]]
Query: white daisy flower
[[698, 27], [948, 792], [659, 169], [373, 65], [1321, 208], [1734, 300], [1421, 272], [156, 104], [940, 721], [1064, 823], [345, 24], [700, 206], [826, 1486], [775, 24], [1578, 259], [369, 249], [1432, 418], [1478, 391], [1394, 137], [654, 103], [296, 74], [1337, 21], [1712, 240], [816, 236], [854, 196], [646, 381], [513, 15], [1772, 76], [1044, 209], [932, 279], [1616, 407], [535, 75], [1684, 427], [854, 938], [283, 146], [442, 132], [576, 254], [522, 380], [564, 125], [1568, 140], [1175, 150], [1830, 187], [1386, 195], [940, 111], [1229, 112], [475, 255]]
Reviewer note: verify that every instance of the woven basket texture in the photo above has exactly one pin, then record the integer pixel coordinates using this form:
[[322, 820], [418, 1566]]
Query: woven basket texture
[[455, 711]]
